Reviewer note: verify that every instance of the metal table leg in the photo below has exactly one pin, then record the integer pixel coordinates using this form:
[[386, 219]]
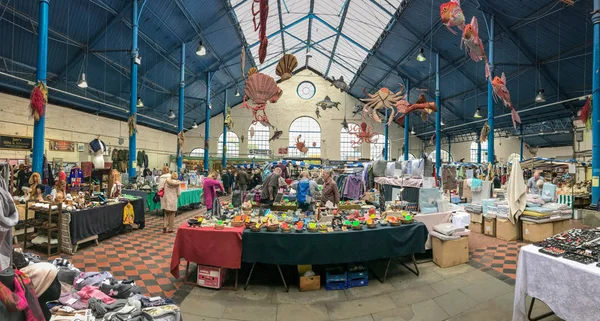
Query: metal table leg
[[249, 276], [543, 316], [283, 279], [416, 270], [382, 279]]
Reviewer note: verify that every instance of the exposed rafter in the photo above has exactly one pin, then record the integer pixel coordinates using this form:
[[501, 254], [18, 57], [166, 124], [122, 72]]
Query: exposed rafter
[[281, 26], [310, 23], [337, 37]]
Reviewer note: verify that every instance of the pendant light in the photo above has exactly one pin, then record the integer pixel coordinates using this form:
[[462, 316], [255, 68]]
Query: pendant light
[[412, 131], [421, 55], [201, 51], [478, 113], [195, 125], [82, 83], [237, 92], [139, 103], [442, 122], [171, 114], [540, 98]]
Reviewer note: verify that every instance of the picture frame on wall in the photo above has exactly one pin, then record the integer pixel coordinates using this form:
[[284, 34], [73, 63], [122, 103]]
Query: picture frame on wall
[[81, 148]]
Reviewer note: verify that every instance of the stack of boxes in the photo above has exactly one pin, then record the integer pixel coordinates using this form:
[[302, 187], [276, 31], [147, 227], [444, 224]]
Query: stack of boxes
[[340, 278]]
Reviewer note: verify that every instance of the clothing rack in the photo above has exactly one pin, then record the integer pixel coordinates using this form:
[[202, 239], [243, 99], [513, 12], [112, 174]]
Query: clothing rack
[[5, 233]]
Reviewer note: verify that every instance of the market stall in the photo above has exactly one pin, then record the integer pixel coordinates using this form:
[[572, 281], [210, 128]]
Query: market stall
[[188, 197]]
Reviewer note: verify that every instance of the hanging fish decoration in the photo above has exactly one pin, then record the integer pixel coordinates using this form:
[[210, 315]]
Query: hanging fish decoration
[[474, 45], [452, 15], [501, 91], [251, 131], [243, 59], [228, 121], [131, 125], [38, 100], [484, 133], [242, 138], [327, 103], [357, 110], [344, 123], [586, 113], [318, 113], [252, 71], [180, 142], [276, 135], [339, 84], [286, 66]]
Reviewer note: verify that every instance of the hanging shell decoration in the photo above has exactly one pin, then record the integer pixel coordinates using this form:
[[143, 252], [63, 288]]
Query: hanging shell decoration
[[132, 126], [260, 88], [286, 66], [180, 142], [228, 121], [38, 100], [252, 71]]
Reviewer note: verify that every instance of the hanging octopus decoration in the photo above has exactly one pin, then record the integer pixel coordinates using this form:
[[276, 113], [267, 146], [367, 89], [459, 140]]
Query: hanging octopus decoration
[[260, 88], [261, 26], [38, 100], [364, 134], [383, 98], [180, 142], [301, 146]]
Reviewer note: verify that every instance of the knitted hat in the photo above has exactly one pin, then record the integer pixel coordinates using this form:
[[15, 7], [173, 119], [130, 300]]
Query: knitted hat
[[42, 275]]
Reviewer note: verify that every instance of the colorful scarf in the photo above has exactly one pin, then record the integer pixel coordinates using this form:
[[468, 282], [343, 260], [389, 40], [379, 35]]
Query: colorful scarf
[[23, 299]]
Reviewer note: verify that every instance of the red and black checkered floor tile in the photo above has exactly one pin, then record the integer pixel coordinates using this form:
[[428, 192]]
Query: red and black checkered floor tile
[[498, 258]]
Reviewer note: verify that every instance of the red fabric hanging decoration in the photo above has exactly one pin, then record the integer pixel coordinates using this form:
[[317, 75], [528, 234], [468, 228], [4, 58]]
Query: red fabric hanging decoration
[[261, 26], [39, 99], [586, 113]]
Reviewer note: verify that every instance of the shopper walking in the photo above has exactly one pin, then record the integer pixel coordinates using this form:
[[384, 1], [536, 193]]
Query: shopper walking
[[305, 191], [226, 180], [210, 186], [330, 190], [270, 187], [171, 190], [242, 180]]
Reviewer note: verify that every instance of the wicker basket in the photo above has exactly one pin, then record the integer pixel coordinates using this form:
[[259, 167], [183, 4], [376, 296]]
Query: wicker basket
[[372, 225], [272, 228], [397, 223], [357, 227], [219, 227], [237, 223], [286, 230], [255, 229], [313, 230]]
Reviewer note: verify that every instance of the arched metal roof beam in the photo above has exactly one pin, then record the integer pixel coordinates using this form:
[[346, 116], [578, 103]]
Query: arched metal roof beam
[[337, 37]]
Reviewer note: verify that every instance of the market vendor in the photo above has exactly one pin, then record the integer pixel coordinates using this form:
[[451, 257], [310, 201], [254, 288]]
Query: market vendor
[[330, 190], [270, 187], [532, 185], [306, 189]]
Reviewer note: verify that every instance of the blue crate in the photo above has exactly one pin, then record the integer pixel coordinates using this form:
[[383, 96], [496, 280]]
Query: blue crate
[[357, 283], [330, 277], [358, 275], [333, 286]]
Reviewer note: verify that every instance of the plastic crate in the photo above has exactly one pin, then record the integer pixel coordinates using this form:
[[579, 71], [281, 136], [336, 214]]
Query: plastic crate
[[210, 276], [330, 277], [357, 283], [333, 286], [358, 275]]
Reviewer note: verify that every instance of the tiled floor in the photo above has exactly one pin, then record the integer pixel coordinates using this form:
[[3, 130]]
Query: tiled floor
[[500, 256]]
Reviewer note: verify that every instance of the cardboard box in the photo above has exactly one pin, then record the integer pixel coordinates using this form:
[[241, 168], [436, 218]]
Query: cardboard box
[[21, 210], [211, 277], [477, 218], [476, 227], [561, 226], [489, 226], [505, 230], [450, 253], [309, 283], [533, 232]]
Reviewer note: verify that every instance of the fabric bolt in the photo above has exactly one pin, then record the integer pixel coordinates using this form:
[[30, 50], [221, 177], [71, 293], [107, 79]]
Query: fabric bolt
[[169, 312], [41, 274], [443, 236], [90, 279], [516, 193], [72, 300], [99, 308], [448, 228], [90, 291], [333, 247], [449, 178], [210, 188]]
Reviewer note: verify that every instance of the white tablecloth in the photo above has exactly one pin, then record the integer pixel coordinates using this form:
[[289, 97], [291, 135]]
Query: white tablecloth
[[401, 182], [432, 219], [570, 289]]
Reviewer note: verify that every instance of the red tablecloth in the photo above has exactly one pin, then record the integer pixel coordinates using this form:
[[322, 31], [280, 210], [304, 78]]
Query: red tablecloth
[[207, 246]]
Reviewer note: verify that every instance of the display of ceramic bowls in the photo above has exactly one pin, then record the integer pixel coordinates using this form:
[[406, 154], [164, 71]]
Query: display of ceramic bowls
[[357, 227], [372, 225], [255, 229], [237, 223], [396, 223], [219, 227], [272, 228]]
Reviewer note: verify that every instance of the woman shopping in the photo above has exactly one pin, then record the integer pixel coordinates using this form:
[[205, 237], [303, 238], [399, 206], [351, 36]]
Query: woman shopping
[[168, 202], [210, 186]]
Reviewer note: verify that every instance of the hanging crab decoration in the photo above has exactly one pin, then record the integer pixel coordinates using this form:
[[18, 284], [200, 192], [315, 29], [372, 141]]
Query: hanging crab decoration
[[364, 134], [261, 26], [38, 100], [383, 98], [260, 88], [301, 145]]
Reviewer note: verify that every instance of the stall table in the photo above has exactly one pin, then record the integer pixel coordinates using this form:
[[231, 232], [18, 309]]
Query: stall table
[[187, 197], [570, 289], [139, 193], [383, 242]]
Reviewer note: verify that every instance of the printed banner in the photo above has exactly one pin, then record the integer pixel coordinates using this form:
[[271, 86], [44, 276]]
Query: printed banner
[[16, 142], [62, 145]]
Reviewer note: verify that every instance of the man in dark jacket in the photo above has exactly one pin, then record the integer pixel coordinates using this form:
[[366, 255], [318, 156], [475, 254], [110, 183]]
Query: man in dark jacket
[[226, 179], [242, 180]]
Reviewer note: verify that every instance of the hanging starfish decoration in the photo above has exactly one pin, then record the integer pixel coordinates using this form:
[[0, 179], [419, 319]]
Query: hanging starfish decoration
[[345, 124]]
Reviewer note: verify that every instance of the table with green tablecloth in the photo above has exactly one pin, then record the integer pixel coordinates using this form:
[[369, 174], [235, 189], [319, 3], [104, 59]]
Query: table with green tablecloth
[[382, 242], [187, 197]]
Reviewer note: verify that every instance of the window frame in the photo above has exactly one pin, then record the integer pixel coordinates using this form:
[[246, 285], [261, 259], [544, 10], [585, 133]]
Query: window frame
[[346, 150], [233, 147], [378, 143], [308, 137], [261, 144]]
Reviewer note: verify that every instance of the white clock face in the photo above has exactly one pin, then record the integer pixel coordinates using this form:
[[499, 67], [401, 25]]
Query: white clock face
[[306, 90]]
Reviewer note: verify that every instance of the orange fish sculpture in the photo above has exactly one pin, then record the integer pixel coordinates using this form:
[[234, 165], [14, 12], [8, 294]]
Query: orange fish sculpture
[[452, 15], [501, 91], [474, 45], [427, 107]]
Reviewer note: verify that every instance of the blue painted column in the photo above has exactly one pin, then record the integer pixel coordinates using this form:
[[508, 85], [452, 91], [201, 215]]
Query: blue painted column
[[224, 160], [438, 118], [386, 148], [131, 166], [596, 106], [521, 150], [42, 62], [478, 151], [406, 125], [491, 152], [181, 105], [207, 120]]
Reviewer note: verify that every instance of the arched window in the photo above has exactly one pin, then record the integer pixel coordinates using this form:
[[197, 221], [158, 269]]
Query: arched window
[[377, 147], [484, 150], [514, 157], [410, 156], [233, 145], [347, 152], [310, 130], [445, 156], [258, 140], [197, 152]]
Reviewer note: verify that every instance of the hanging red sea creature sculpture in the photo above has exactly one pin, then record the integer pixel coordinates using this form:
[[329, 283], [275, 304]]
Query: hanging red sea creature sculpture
[[405, 107], [501, 91], [261, 26], [452, 15], [260, 88], [38, 100], [383, 98], [474, 45], [364, 134], [301, 146], [586, 113]]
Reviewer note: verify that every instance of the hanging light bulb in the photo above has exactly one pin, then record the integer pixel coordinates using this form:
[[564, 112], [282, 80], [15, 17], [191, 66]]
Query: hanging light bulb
[[201, 51], [171, 114], [412, 131], [421, 55], [442, 122], [237, 92], [540, 98], [82, 83], [478, 113], [139, 103], [195, 125]]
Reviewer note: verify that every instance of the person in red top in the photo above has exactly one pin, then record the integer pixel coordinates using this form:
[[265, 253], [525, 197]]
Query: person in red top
[[210, 186]]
